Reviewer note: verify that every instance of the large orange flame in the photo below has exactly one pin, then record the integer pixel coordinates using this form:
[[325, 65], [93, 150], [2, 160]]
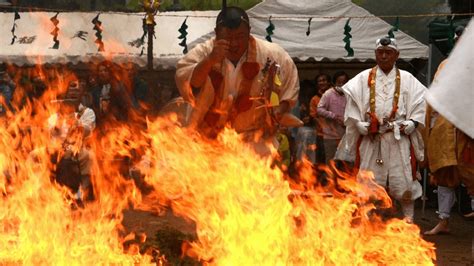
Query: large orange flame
[[39, 224], [245, 211]]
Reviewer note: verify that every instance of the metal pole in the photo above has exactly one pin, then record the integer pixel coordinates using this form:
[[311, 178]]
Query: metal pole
[[430, 64], [424, 198]]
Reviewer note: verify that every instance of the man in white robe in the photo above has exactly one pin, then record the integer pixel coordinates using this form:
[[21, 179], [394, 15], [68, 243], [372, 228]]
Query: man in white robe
[[227, 74], [382, 137]]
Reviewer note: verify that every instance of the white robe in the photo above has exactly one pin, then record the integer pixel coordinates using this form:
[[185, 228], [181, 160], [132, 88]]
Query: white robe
[[248, 120], [395, 153]]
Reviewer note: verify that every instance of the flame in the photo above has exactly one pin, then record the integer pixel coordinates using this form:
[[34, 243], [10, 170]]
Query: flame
[[39, 220], [243, 213], [246, 211]]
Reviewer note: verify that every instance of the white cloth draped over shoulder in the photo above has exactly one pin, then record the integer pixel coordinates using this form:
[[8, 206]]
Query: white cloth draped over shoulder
[[393, 149], [232, 80]]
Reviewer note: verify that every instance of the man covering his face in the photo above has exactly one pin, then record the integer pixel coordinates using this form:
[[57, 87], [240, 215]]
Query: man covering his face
[[220, 78]]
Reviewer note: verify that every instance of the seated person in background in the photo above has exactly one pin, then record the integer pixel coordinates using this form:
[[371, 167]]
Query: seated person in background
[[70, 126], [36, 87], [108, 86], [7, 88], [140, 91]]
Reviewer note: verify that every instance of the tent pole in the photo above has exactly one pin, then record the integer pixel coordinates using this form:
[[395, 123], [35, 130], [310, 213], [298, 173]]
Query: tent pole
[[424, 198], [151, 7], [430, 63], [151, 32]]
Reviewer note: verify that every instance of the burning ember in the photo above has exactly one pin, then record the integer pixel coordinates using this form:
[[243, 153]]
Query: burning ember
[[245, 211]]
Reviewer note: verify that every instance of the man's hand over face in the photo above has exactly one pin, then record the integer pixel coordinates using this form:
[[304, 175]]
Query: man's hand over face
[[220, 50]]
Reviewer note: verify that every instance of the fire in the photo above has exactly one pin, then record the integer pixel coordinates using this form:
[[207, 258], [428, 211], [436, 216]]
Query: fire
[[246, 211], [39, 222], [243, 212]]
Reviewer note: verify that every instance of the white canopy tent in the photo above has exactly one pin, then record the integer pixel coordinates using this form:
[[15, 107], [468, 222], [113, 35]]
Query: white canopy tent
[[325, 41], [120, 35], [34, 41]]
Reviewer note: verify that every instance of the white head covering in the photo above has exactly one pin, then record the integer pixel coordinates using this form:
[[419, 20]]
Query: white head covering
[[386, 42]]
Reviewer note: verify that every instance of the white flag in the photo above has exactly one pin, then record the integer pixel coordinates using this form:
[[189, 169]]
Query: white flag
[[452, 91]]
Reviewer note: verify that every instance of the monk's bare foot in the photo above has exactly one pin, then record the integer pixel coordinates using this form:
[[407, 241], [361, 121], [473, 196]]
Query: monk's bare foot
[[469, 215], [440, 228]]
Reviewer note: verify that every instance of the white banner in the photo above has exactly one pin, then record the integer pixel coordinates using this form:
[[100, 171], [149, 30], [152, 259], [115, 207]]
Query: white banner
[[452, 92]]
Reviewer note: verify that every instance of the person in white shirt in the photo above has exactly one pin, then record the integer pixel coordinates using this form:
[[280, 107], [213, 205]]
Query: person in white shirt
[[71, 125]]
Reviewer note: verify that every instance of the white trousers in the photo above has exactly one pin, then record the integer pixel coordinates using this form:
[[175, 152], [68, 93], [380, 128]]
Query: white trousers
[[408, 209], [446, 199]]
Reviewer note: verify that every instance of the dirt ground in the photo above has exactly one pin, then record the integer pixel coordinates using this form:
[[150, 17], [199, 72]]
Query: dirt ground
[[456, 248]]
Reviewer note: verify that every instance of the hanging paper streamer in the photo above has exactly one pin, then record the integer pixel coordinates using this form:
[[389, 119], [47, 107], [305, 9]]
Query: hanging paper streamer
[[16, 17], [55, 31], [183, 33], [270, 30], [98, 32], [347, 39], [309, 27], [395, 27]]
